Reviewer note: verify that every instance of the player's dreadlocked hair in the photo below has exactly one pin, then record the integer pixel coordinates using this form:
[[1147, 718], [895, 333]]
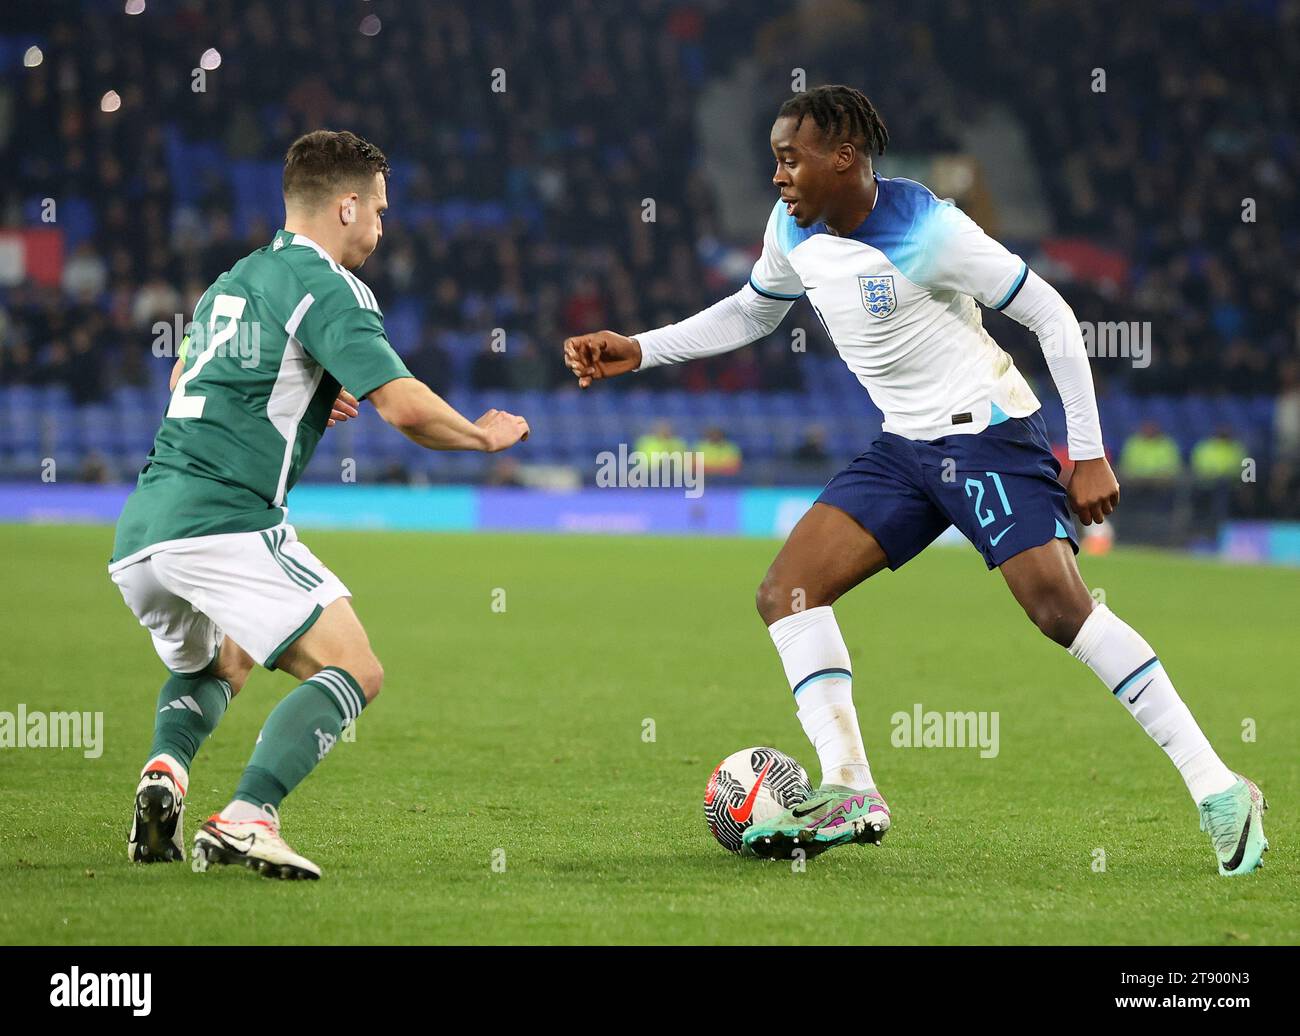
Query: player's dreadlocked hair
[[326, 160], [841, 113]]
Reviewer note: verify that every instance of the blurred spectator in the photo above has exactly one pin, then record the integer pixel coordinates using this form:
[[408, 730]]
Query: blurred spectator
[[1150, 455], [505, 471], [1286, 415], [719, 454], [526, 368], [444, 307], [585, 310], [660, 439], [85, 275], [16, 364], [1284, 479], [812, 450], [95, 469], [55, 366], [431, 365], [156, 300], [1218, 457], [84, 373], [490, 370], [394, 473], [221, 250]]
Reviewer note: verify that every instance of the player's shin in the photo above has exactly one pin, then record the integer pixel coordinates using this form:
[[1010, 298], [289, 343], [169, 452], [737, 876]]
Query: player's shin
[[298, 734], [189, 709], [816, 663], [1127, 665]]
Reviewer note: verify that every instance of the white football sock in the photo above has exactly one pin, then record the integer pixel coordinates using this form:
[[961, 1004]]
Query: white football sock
[[817, 666], [240, 811], [1126, 664]]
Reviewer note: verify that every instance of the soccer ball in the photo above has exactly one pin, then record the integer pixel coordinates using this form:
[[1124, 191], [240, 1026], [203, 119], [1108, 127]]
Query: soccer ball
[[749, 785]]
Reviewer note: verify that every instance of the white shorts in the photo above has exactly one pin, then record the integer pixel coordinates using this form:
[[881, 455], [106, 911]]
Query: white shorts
[[263, 589]]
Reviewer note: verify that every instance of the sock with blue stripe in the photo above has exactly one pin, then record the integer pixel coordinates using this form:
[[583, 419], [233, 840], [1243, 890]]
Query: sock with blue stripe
[[817, 665], [298, 734], [1126, 664]]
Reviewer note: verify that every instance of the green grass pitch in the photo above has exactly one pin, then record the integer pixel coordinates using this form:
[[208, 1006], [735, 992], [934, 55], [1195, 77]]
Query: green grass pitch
[[523, 731]]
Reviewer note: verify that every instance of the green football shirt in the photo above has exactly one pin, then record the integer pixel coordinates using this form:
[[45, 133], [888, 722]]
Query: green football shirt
[[271, 341]]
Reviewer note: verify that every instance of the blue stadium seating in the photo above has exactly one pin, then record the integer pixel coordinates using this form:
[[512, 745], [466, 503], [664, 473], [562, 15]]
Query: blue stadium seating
[[571, 427], [256, 188], [75, 217], [403, 323]]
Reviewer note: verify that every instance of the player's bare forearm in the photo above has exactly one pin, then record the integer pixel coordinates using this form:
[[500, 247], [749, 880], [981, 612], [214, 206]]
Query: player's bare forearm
[[1093, 490], [178, 368], [424, 417], [446, 429]]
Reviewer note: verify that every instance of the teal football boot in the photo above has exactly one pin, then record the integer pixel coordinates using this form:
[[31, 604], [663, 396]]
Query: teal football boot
[[831, 816], [1234, 820]]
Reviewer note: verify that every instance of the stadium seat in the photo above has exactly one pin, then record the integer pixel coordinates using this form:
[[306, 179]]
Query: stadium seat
[[403, 321], [97, 428]]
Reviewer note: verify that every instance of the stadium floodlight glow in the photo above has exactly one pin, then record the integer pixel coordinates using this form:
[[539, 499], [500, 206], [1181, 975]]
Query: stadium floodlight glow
[[110, 102], [211, 59], [370, 25], [33, 56], [134, 7]]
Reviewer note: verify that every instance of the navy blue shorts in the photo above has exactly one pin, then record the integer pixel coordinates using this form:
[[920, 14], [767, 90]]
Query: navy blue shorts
[[999, 487]]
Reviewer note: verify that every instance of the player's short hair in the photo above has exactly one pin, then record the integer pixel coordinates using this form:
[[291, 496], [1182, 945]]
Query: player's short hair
[[325, 162], [842, 114]]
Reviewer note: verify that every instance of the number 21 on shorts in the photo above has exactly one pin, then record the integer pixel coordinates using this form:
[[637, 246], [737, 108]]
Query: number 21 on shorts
[[975, 488]]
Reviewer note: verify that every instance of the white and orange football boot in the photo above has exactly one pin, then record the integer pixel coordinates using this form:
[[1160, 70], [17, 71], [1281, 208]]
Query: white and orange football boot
[[158, 827], [253, 842]]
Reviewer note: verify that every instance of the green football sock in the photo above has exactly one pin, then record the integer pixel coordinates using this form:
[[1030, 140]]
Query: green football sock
[[189, 709], [298, 734]]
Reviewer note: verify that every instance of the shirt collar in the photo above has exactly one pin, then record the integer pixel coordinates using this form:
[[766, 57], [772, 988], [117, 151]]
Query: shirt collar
[[297, 239]]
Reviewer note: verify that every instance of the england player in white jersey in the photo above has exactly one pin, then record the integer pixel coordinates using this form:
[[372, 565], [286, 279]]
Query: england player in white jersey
[[895, 275]]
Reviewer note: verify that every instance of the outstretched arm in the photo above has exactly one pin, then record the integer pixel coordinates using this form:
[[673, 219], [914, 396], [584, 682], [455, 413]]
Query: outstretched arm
[[737, 320], [421, 415]]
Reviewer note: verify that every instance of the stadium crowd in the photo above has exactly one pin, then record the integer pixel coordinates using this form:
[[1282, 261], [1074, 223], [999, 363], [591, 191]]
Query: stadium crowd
[[525, 138]]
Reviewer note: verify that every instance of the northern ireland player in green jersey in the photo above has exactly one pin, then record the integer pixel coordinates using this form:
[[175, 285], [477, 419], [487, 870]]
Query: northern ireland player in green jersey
[[283, 345]]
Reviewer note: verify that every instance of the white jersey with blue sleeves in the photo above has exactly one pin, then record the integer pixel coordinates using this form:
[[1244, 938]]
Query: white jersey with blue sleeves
[[897, 297]]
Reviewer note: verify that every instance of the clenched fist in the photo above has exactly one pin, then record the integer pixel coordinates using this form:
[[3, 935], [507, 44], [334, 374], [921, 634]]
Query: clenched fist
[[1093, 490], [601, 354]]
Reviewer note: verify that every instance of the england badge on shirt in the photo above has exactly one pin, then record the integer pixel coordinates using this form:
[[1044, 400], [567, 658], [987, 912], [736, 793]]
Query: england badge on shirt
[[878, 295]]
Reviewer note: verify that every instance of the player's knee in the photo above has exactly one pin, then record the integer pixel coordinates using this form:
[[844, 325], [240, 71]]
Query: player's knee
[[769, 599], [235, 680], [233, 667], [1058, 617], [369, 675], [775, 600]]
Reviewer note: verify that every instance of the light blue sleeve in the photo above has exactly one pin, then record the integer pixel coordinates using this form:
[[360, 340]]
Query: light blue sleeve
[[949, 252], [773, 277]]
